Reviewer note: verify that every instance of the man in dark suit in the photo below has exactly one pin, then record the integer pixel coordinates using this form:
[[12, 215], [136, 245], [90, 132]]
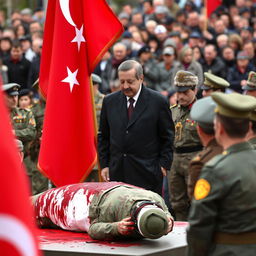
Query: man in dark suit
[[136, 132]]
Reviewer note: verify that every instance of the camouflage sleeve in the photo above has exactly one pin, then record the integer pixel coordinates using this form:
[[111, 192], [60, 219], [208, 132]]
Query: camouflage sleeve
[[29, 132], [103, 231]]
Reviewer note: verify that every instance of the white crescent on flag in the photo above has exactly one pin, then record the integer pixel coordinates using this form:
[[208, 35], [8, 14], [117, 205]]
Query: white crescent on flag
[[64, 5], [16, 233]]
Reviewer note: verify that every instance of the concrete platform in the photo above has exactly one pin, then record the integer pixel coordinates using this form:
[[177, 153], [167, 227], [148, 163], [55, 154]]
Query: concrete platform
[[58, 242]]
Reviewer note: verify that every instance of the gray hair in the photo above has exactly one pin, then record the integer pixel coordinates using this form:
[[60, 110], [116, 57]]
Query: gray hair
[[130, 64]]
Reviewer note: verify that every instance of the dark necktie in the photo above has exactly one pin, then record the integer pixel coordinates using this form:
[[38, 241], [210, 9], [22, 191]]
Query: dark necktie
[[130, 108]]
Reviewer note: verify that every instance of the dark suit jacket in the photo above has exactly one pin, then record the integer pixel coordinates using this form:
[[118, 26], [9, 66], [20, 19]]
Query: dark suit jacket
[[135, 149]]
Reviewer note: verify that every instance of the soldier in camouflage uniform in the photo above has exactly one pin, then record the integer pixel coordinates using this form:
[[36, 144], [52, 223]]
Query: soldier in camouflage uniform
[[222, 215], [106, 210], [23, 120], [186, 143], [39, 182], [26, 130]]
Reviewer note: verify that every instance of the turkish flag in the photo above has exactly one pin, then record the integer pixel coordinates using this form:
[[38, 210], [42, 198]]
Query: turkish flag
[[17, 228], [211, 6], [77, 34]]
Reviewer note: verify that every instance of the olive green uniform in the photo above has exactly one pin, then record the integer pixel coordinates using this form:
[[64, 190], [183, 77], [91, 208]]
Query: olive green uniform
[[39, 182], [186, 145], [224, 207], [113, 205], [198, 162], [24, 125]]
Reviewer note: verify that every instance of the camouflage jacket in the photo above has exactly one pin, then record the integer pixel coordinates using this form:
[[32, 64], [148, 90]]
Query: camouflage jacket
[[198, 162], [224, 201], [185, 128], [115, 204], [24, 124]]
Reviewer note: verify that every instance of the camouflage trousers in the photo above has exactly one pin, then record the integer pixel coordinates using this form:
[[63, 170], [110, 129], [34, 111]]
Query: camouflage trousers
[[38, 181], [178, 180]]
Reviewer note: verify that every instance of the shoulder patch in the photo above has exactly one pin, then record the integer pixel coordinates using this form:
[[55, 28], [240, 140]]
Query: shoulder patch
[[202, 189]]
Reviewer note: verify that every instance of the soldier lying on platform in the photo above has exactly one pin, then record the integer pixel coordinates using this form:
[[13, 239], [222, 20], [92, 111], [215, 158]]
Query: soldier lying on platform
[[107, 210]]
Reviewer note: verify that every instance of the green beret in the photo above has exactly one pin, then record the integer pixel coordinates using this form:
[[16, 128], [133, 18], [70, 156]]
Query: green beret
[[11, 89], [214, 82], [251, 82], [96, 79], [152, 222], [234, 105], [185, 80], [203, 112]]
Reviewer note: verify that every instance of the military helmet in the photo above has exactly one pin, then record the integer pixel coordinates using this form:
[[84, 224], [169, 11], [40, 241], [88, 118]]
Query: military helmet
[[151, 220]]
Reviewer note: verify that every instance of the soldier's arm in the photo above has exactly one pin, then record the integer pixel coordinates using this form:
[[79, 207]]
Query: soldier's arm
[[28, 133], [103, 231]]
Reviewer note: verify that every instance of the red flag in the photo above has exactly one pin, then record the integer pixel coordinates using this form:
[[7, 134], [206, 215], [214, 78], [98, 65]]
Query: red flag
[[17, 230], [77, 34], [212, 5]]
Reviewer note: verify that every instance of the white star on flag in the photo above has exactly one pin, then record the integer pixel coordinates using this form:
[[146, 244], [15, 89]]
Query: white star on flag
[[79, 37], [71, 79]]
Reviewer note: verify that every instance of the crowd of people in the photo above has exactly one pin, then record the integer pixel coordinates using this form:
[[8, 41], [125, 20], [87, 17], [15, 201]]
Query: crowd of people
[[154, 131]]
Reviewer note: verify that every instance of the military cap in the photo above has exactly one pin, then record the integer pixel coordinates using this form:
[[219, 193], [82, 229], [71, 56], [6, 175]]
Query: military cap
[[214, 82], [24, 92], [234, 105], [251, 82], [203, 111], [96, 79], [11, 89], [152, 222], [185, 80], [19, 145]]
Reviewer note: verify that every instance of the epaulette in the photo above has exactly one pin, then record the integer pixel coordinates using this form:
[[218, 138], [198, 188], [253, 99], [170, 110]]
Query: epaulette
[[215, 160], [196, 159], [173, 106]]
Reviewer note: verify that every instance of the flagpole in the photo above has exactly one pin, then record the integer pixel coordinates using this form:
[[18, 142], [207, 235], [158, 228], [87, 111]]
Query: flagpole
[[95, 128]]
